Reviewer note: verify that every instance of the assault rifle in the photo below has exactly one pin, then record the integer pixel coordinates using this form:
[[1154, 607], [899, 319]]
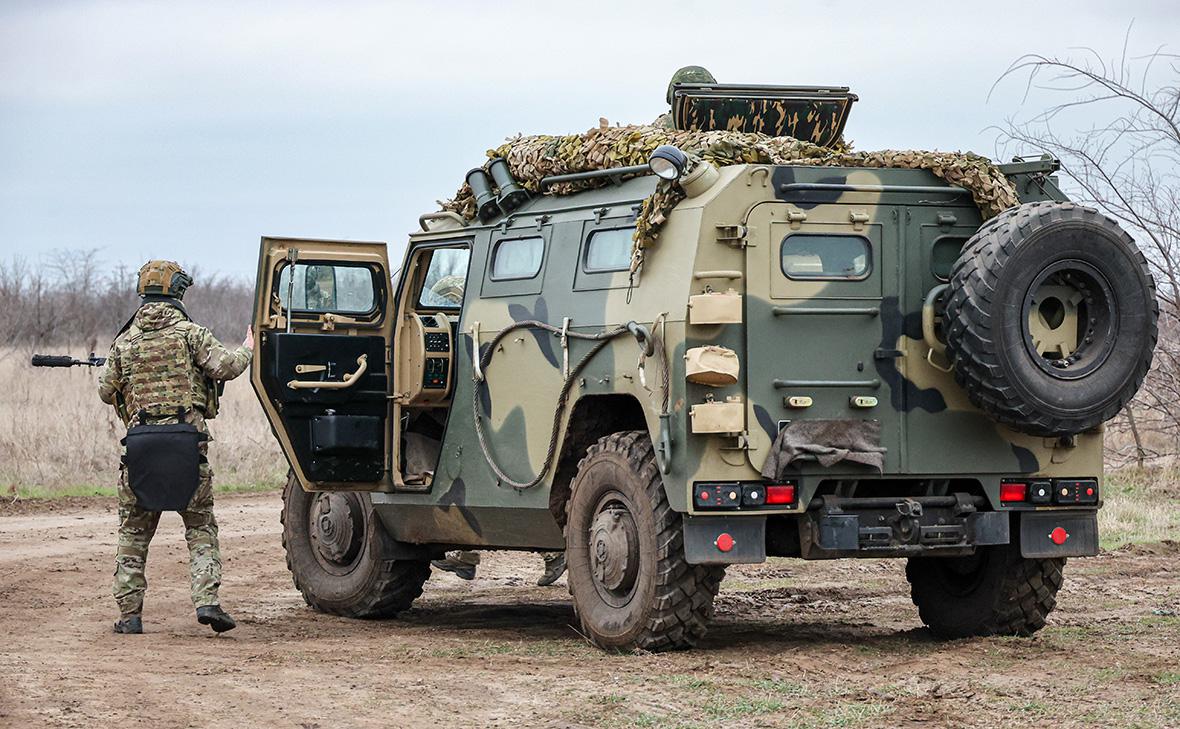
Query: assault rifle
[[62, 360], [58, 360]]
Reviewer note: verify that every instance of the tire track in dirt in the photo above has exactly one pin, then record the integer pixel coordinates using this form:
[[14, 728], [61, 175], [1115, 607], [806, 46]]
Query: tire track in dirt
[[794, 643]]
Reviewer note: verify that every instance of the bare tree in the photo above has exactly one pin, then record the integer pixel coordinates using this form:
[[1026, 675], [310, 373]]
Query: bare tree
[[1115, 126], [68, 298]]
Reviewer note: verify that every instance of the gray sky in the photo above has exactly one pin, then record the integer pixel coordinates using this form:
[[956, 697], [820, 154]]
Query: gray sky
[[187, 130]]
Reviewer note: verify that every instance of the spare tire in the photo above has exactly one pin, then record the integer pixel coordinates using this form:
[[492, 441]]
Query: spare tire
[[1051, 318]]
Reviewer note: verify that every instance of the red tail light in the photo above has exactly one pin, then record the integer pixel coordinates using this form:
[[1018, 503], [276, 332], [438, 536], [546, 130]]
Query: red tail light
[[1013, 492], [780, 494]]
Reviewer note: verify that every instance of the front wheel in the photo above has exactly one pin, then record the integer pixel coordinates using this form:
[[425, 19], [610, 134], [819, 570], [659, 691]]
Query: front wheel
[[631, 584], [335, 555], [995, 591]]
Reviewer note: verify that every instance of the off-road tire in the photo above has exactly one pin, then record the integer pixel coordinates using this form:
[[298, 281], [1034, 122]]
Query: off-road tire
[[377, 587], [672, 600], [1006, 595], [992, 284]]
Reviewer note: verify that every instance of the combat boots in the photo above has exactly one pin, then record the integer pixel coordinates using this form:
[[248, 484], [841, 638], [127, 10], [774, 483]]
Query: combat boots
[[129, 624], [554, 568], [216, 618]]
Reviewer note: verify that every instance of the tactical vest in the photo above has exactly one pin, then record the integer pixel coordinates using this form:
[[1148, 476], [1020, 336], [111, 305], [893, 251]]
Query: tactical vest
[[159, 371], [161, 374]]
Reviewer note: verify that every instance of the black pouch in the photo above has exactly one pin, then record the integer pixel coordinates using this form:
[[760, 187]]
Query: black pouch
[[163, 465]]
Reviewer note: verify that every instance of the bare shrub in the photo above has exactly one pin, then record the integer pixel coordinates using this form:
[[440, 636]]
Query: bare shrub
[[1116, 129], [54, 431], [71, 297], [56, 434]]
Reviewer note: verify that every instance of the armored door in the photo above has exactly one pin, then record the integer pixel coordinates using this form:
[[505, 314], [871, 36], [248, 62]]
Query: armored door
[[822, 322]]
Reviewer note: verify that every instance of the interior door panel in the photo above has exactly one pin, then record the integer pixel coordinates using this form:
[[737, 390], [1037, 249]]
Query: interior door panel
[[337, 435]]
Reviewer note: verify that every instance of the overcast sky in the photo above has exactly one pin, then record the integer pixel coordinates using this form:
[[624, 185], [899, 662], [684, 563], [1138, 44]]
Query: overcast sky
[[188, 130]]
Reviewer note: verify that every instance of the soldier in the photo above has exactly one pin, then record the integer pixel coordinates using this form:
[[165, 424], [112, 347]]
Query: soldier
[[685, 75], [164, 369]]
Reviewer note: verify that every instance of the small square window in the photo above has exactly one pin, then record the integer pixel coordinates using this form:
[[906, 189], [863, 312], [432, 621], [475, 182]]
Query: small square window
[[608, 250], [445, 280], [323, 287], [517, 258], [826, 256]]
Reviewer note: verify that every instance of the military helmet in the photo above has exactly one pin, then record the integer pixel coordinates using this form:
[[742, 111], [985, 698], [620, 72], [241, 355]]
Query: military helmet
[[690, 75], [450, 288], [163, 278]]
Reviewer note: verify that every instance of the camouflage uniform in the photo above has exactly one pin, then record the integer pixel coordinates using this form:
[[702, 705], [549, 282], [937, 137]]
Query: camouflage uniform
[[162, 363]]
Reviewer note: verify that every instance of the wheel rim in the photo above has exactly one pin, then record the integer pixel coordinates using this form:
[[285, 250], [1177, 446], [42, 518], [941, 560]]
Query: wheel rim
[[1069, 320], [336, 527], [614, 550]]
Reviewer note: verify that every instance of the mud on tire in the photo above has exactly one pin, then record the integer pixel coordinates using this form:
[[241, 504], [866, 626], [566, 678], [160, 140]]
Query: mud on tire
[[338, 563], [1051, 318], [994, 592], [631, 584]]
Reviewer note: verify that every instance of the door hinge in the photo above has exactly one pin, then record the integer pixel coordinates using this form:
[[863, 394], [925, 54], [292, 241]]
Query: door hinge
[[888, 354]]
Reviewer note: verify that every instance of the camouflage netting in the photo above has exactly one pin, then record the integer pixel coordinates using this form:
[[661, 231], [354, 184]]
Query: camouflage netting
[[533, 158]]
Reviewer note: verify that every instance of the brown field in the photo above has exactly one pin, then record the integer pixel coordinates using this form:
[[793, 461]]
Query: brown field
[[58, 438], [794, 643]]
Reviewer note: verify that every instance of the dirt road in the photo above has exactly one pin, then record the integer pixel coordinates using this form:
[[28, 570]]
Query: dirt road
[[794, 644]]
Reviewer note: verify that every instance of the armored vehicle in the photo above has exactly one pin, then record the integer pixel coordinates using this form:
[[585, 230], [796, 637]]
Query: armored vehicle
[[668, 350]]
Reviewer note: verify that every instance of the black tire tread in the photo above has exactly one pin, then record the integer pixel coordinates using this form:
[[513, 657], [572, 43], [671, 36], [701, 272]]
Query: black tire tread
[[967, 322], [393, 586], [1020, 607], [683, 604]]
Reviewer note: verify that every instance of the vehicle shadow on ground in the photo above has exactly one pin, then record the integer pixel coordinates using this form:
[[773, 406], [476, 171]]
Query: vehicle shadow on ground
[[556, 620]]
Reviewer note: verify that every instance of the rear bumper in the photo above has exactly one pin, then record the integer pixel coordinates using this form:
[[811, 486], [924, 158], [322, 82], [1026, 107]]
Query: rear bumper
[[895, 527]]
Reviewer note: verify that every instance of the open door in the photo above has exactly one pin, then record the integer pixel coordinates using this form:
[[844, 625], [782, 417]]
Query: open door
[[324, 321]]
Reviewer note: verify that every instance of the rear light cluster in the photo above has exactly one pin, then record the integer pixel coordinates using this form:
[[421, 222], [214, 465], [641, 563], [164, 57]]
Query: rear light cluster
[[735, 495], [1049, 491]]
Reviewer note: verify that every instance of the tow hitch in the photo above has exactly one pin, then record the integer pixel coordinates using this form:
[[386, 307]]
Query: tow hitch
[[883, 526]]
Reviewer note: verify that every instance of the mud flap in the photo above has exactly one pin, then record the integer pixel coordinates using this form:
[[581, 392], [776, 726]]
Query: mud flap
[[724, 539], [1059, 534], [163, 465]]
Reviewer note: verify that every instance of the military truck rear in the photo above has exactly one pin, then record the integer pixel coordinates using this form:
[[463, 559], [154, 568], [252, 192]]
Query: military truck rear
[[664, 374]]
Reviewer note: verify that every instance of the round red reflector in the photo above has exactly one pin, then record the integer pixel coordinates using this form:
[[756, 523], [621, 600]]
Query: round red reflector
[[704, 496], [1089, 492], [1058, 536], [724, 542]]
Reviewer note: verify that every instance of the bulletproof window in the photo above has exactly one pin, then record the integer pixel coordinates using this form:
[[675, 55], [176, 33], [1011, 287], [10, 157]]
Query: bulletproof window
[[446, 279], [323, 287], [943, 255], [608, 250], [826, 256], [517, 258]]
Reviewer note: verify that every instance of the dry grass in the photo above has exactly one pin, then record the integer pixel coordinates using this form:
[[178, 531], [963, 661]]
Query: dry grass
[[57, 438]]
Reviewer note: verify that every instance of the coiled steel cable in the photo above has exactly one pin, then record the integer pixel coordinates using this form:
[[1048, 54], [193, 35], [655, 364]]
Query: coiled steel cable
[[600, 339]]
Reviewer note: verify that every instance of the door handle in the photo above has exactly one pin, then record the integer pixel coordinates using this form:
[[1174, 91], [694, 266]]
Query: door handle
[[303, 369], [348, 381]]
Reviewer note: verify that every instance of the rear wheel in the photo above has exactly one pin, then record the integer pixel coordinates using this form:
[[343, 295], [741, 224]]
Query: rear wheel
[[631, 584], [335, 555], [993, 592]]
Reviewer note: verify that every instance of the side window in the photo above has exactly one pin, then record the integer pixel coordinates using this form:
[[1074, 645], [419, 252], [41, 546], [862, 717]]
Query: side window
[[446, 279], [826, 256], [517, 258], [608, 250], [943, 255], [324, 287]]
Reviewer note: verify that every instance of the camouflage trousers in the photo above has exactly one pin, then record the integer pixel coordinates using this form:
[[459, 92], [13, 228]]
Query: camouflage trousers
[[136, 529]]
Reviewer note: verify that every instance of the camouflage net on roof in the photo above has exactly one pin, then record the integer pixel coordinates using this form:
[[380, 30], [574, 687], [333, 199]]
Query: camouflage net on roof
[[533, 158]]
